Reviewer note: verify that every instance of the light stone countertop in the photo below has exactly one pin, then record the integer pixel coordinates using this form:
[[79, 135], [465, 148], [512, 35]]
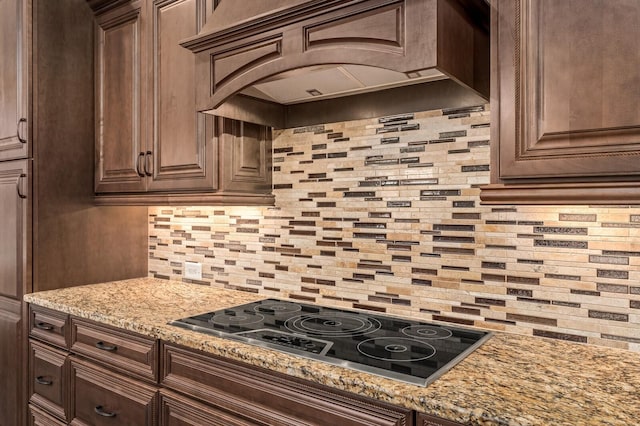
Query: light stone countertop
[[510, 380]]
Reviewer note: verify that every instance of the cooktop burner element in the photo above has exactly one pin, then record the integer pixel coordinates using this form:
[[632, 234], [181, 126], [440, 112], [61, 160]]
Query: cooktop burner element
[[333, 324], [397, 348], [423, 331], [226, 319]]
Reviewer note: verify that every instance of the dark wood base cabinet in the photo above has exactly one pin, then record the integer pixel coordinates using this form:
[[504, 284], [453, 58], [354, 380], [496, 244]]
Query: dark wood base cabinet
[[262, 397], [84, 373]]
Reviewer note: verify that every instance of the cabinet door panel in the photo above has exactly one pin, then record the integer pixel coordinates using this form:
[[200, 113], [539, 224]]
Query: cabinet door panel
[[245, 149], [13, 227], [183, 139], [119, 91], [576, 93], [14, 74], [11, 363], [102, 398]]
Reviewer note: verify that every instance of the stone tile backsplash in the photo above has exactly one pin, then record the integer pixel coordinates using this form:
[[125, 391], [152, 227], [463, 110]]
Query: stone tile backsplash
[[384, 215]]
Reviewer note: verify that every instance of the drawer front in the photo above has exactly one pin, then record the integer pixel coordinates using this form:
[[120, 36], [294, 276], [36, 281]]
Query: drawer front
[[38, 417], [263, 397], [49, 325], [176, 410], [49, 379], [130, 353], [100, 397], [428, 420]]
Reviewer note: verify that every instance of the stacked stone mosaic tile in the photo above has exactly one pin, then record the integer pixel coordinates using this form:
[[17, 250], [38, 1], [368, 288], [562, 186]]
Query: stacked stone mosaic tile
[[385, 215]]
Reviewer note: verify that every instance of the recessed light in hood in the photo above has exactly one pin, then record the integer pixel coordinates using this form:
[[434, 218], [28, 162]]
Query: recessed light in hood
[[286, 51]]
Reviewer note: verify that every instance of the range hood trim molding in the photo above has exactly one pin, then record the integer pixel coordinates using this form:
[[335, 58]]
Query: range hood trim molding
[[401, 35], [211, 36]]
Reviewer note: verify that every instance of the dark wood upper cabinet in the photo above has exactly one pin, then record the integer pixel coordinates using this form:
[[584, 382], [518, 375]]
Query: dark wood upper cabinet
[[565, 94], [152, 145], [183, 146], [14, 79], [120, 86]]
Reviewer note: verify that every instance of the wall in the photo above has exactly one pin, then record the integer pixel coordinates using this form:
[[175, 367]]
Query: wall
[[387, 217]]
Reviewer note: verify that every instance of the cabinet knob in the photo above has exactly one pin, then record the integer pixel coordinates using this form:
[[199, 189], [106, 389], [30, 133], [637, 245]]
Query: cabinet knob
[[42, 381], [20, 138], [99, 409], [103, 346]]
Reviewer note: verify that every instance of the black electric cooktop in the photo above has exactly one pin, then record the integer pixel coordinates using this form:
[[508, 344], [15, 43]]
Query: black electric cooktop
[[401, 349]]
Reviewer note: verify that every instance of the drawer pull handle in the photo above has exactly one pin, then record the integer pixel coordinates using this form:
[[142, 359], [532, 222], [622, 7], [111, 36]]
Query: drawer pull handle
[[105, 347], [44, 326], [100, 411], [42, 381]]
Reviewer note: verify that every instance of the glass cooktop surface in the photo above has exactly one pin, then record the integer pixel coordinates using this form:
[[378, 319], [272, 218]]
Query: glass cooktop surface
[[401, 349]]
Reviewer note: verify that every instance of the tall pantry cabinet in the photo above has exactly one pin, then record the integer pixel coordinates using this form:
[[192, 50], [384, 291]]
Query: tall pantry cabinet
[[51, 234]]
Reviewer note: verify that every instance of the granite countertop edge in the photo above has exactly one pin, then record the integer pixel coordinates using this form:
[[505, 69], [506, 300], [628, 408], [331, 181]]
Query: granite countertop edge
[[510, 380]]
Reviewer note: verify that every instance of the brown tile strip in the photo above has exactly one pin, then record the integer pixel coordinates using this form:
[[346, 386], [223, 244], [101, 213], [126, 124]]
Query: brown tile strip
[[532, 319], [560, 336]]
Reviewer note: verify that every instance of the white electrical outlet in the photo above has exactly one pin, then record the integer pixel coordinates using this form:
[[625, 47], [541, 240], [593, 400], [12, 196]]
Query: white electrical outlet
[[193, 270]]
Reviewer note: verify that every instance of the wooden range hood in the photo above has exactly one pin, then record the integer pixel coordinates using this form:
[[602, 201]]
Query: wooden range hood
[[246, 44]]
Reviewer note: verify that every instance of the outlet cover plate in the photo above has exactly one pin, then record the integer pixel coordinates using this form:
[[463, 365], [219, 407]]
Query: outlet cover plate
[[193, 270]]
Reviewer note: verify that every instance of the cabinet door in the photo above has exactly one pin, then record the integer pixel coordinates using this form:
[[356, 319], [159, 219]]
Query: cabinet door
[[13, 228], [14, 78], [565, 94], [120, 90], [577, 88], [183, 139], [245, 150], [11, 363], [100, 397]]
